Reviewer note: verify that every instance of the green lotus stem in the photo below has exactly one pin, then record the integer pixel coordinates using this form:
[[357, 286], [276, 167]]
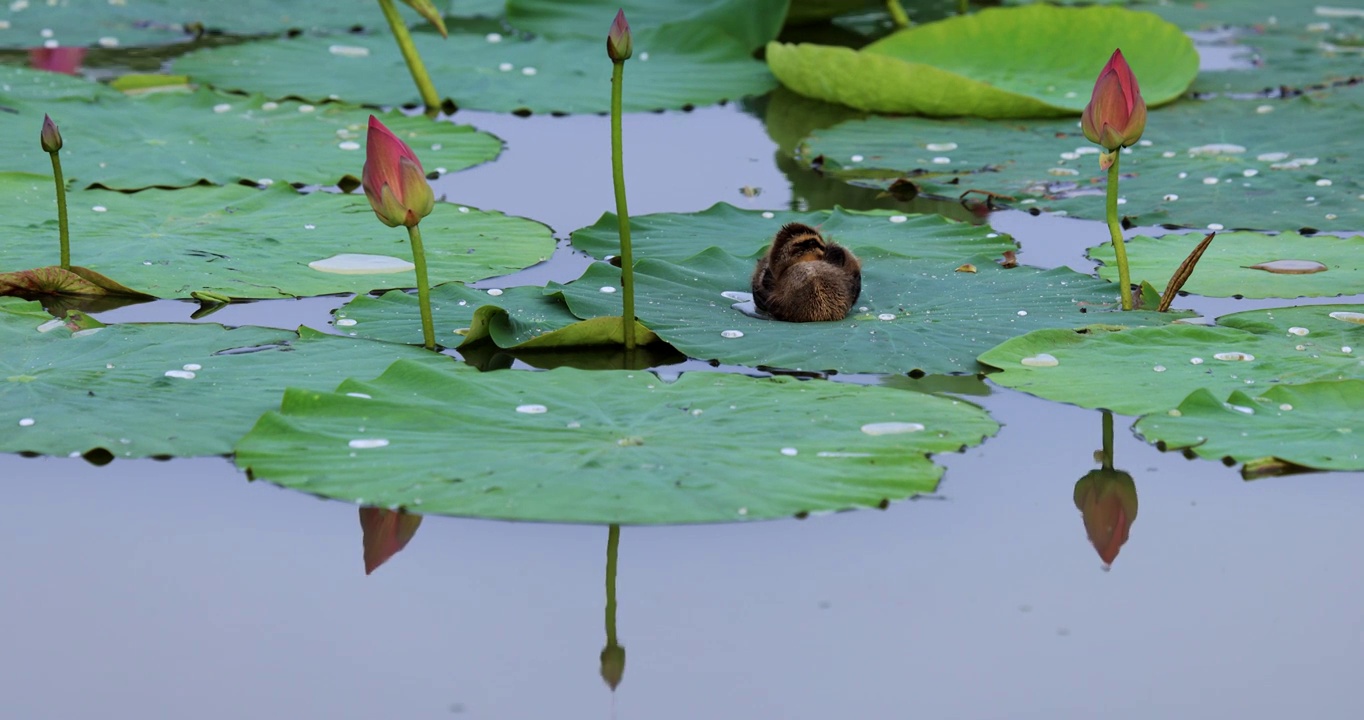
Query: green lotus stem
[[423, 287], [1108, 440], [612, 548], [410, 54], [1115, 230], [897, 13], [62, 231], [627, 257]]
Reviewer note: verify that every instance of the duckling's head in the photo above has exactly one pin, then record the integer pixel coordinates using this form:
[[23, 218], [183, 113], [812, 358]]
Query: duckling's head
[[796, 243]]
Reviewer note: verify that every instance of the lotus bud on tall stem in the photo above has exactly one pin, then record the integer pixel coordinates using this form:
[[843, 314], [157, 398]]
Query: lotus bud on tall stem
[[51, 139], [396, 187], [1114, 119], [409, 51], [619, 47]]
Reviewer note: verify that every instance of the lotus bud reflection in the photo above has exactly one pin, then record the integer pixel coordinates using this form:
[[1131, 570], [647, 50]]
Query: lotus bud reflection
[[1107, 500], [619, 46], [1116, 114], [66, 60], [50, 137], [394, 180], [386, 532], [613, 664]]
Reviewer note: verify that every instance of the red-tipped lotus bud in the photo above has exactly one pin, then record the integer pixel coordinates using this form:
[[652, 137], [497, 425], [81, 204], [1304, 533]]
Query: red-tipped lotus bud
[[394, 180], [51, 137], [1116, 114], [619, 47]]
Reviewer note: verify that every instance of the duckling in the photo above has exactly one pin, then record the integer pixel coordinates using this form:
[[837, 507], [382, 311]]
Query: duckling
[[804, 278]]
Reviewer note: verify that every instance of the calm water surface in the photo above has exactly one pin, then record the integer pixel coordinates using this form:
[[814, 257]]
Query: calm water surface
[[148, 589]]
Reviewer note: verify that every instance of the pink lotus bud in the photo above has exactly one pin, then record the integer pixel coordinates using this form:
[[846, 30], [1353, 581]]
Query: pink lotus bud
[[394, 180], [1107, 501], [1116, 114], [619, 46], [51, 137]]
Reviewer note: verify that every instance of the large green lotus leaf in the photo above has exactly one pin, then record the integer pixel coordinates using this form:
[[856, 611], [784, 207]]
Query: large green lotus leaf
[[1315, 425], [746, 233], [160, 389], [1275, 165], [913, 315], [1137, 371], [23, 86], [751, 22], [177, 140], [1285, 43], [247, 243], [128, 23], [624, 447], [970, 64], [692, 65], [1234, 264], [521, 317]]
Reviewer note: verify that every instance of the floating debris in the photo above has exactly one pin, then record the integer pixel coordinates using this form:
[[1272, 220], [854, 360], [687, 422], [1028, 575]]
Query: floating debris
[[1290, 267], [1040, 360]]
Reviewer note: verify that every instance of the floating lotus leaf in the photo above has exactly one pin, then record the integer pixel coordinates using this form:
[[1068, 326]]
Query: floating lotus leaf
[[913, 315], [925, 70], [247, 243], [1278, 43], [671, 68], [1315, 425], [157, 22], [1138, 371], [624, 447], [177, 140], [1270, 165], [751, 22], [74, 281], [159, 389], [747, 233], [521, 317], [1246, 264]]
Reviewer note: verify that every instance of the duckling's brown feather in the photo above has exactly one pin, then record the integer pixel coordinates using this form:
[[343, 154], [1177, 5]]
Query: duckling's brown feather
[[804, 278]]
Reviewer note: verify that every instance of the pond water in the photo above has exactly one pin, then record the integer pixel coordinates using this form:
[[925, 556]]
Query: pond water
[[147, 589]]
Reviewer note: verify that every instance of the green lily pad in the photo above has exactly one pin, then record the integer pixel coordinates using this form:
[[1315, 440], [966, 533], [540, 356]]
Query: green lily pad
[[158, 22], [523, 318], [178, 140], [1246, 264], [746, 233], [1138, 371], [923, 69], [75, 281], [1274, 165], [751, 22], [159, 389], [625, 447], [241, 242], [1285, 43], [913, 315], [1315, 425], [691, 65]]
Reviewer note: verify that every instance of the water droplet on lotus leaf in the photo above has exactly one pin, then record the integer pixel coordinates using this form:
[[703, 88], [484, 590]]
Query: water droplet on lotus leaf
[[1349, 317], [361, 264], [1289, 267], [1234, 356], [891, 428]]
